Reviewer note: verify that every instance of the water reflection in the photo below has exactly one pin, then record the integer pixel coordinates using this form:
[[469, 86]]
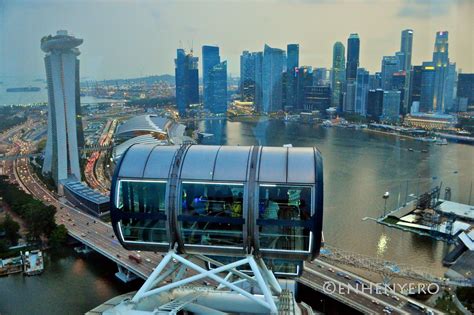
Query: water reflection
[[78, 267], [382, 244], [359, 166]]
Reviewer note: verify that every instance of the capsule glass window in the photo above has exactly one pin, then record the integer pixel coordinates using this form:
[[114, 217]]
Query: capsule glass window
[[284, 217], [212, 214], [143, 211]]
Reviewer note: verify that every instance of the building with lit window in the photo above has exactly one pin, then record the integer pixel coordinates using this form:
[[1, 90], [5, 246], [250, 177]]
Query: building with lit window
[[432, 121], [427, 87]]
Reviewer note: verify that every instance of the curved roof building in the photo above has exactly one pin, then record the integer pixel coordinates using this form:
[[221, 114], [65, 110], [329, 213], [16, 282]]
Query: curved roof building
[[144, 124], [148, 129]]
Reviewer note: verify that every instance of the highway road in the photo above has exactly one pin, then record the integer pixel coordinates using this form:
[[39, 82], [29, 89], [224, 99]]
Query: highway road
[[356, 291], [89, 230]]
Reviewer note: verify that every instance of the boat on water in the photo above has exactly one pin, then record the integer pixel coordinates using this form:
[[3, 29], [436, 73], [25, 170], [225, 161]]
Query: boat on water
[[33, 263], [410, 149], [327, 123], [24, 89], [441, 141], [425, 139]]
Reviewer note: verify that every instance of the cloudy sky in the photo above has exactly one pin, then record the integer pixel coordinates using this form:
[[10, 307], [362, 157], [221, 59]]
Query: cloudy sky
[[135, 38]]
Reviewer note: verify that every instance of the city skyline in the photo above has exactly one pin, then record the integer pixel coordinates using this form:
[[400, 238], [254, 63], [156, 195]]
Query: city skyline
[[159, 36]]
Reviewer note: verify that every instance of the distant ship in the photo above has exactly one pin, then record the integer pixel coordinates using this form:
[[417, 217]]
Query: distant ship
[[24, 89]]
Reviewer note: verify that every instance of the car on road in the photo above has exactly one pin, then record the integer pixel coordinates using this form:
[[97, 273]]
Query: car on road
[[135, 257], [148, 260], [347, 277], [375, 302], [395, 298], [340, 274], [330, 269]]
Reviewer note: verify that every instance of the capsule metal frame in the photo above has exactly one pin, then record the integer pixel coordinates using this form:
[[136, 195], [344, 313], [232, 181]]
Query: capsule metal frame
[[177, 166]]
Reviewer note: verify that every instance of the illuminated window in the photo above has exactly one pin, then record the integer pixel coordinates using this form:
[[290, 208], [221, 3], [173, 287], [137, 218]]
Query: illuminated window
[[212, 214]]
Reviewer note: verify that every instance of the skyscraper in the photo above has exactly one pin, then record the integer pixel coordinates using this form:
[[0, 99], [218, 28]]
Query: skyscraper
[[375, 81], [258, 102], [317, 97], [210, 58], [247, 76], [391, 105], [375, 104], [348, 104], [415, 86], [353, 50], [272, 73], [390, 65], [338, 73], [217, 89], [441, 64], [187, 80], [466, 88], [399, 84], [304, 78], [292, 63], [406, 46], [64, 135], [427, 87], [321, 76], [449, 84], [362, 89]]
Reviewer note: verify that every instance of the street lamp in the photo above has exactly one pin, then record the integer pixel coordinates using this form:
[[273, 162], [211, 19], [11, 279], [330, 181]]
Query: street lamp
[[385, 197]]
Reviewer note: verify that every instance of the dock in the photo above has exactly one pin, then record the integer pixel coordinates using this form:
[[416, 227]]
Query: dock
[[10, 266], [33, 263]]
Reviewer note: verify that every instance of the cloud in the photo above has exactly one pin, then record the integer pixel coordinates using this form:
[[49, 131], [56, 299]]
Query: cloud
[[426, 8]]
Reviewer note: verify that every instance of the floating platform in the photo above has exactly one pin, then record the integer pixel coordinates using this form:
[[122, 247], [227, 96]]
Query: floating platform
[[33, 263]]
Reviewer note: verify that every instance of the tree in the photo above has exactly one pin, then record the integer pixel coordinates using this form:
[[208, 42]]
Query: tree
[[39, 219], [58, 236], [3, 246], [11, 229]]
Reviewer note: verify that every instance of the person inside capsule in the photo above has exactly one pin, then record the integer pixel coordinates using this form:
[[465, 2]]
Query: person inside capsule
[[279, 205], [218, 205]]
